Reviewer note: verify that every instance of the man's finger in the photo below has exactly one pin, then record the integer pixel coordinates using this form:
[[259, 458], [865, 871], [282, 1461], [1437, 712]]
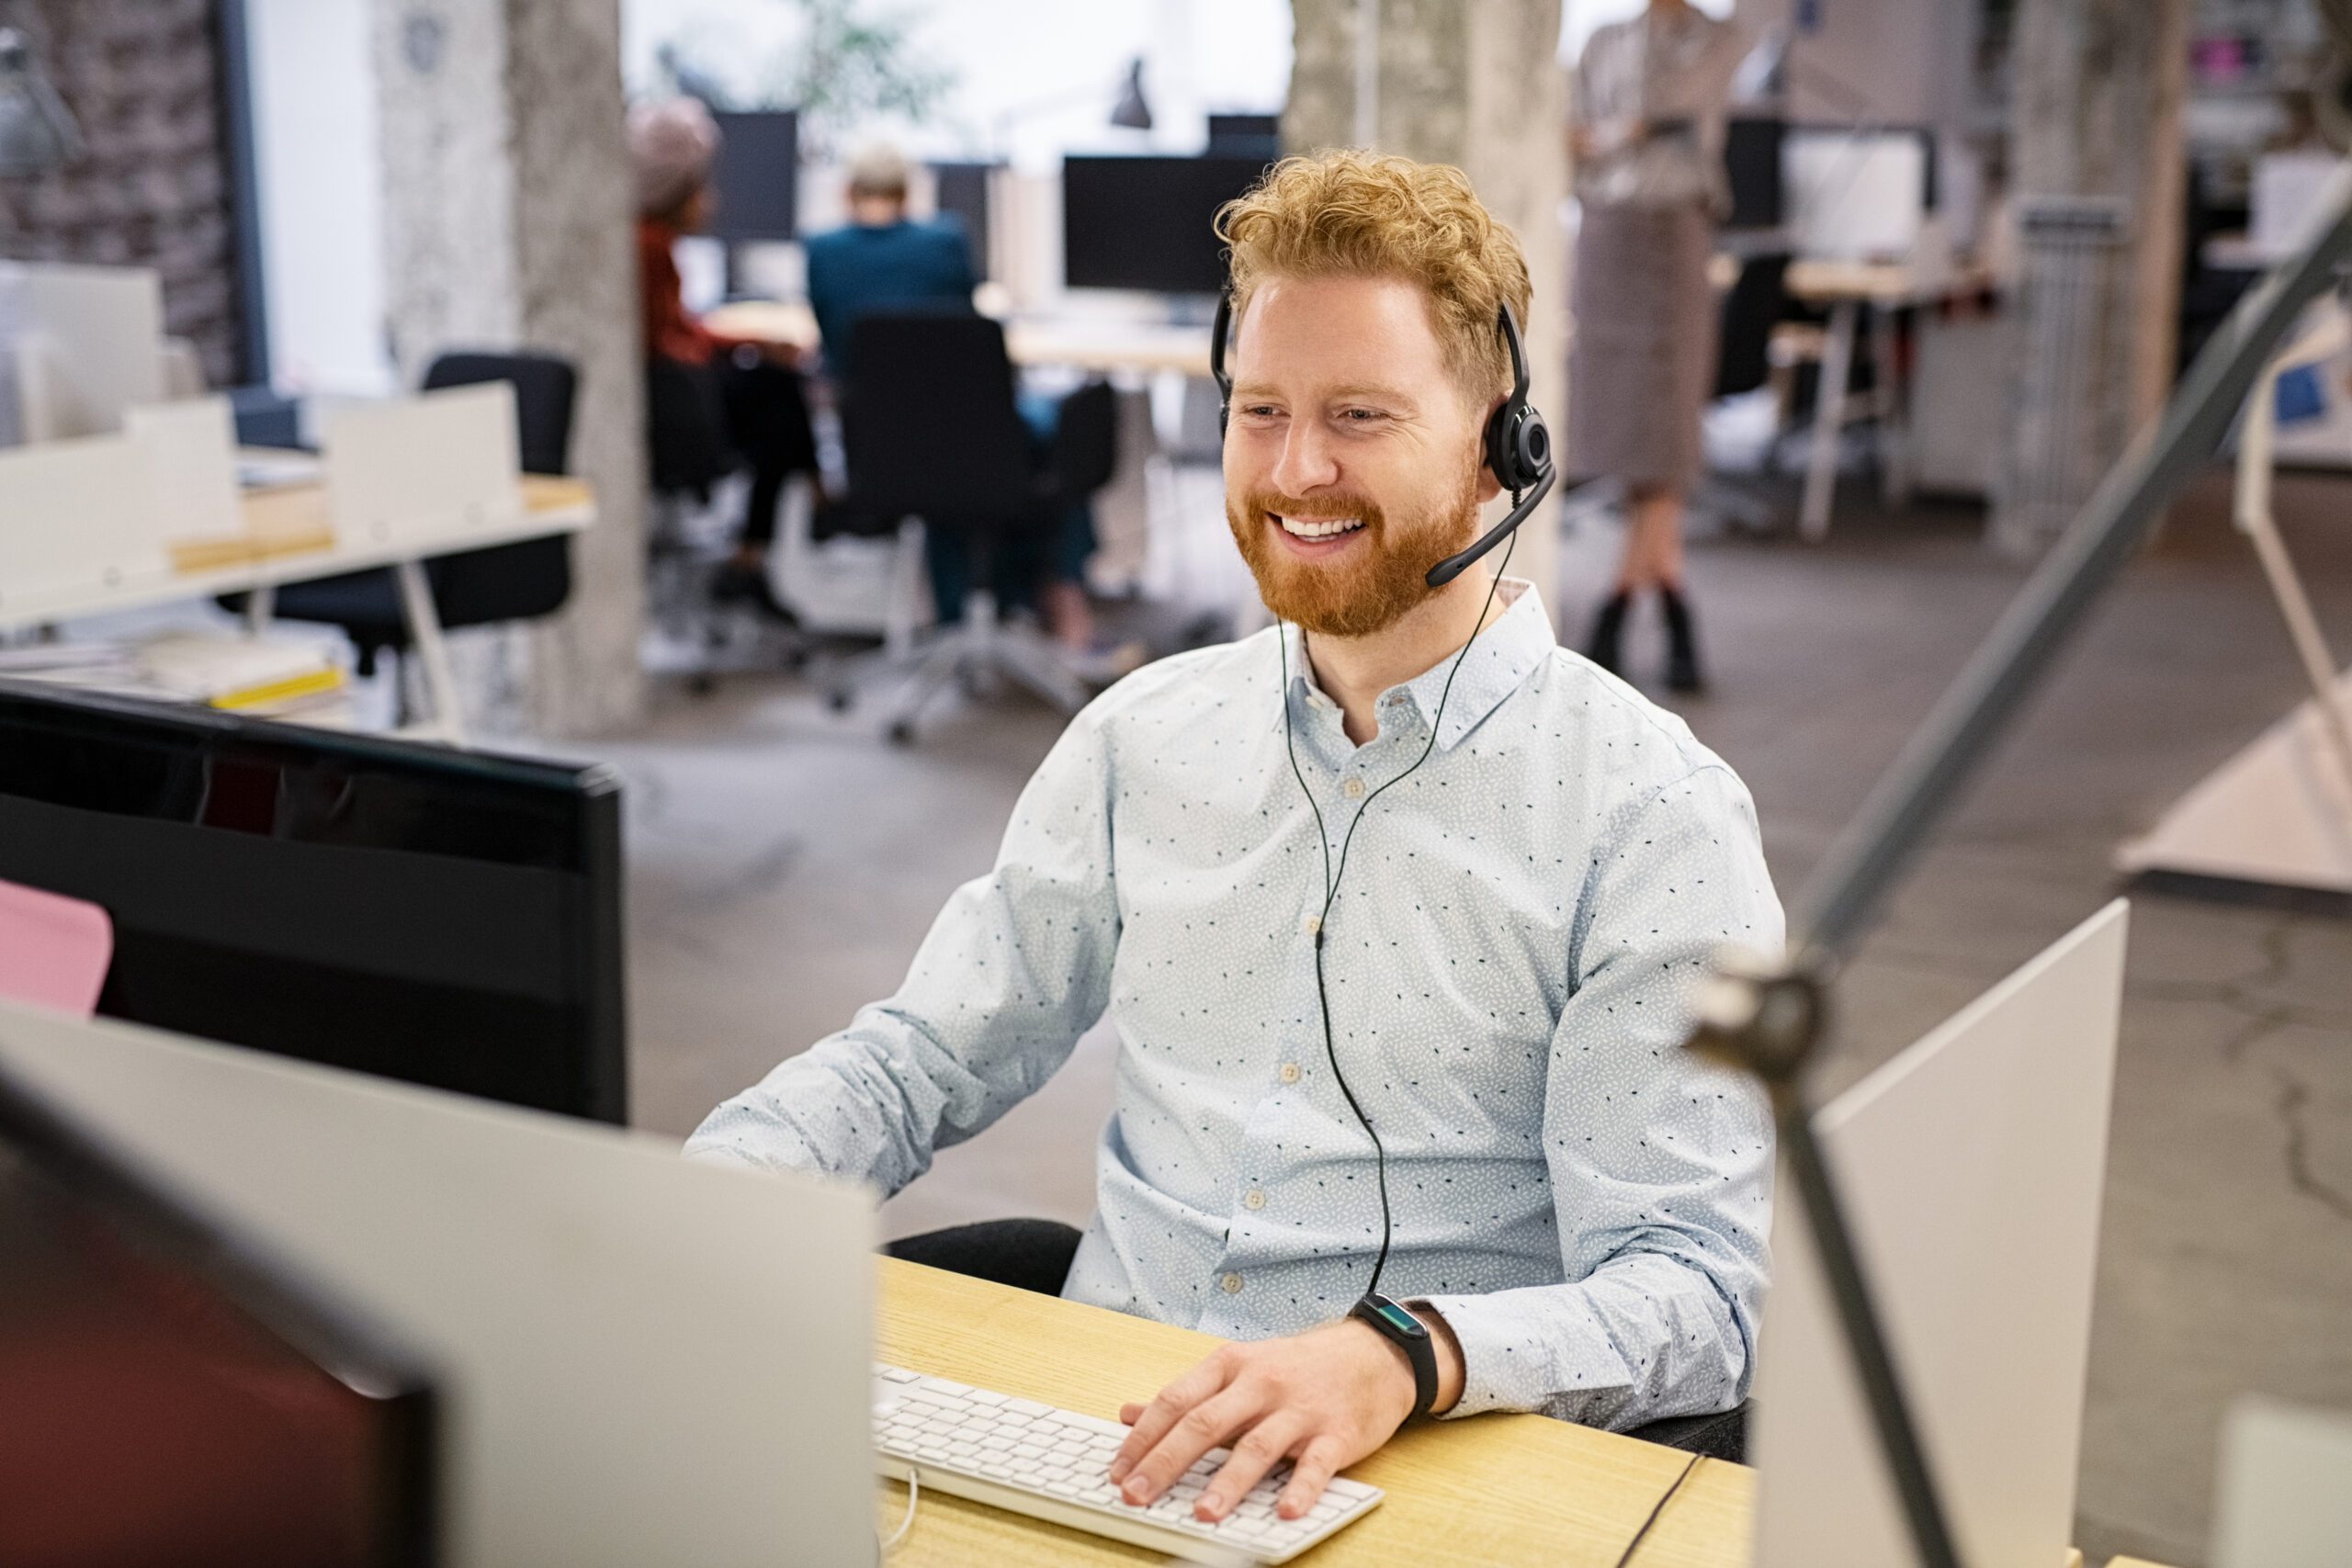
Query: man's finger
[[1198, 1430], [1152, 1421], [1318, 1462], [1260, 1448]]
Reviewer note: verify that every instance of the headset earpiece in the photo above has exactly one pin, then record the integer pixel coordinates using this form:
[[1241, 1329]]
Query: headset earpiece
[[1518, 447]]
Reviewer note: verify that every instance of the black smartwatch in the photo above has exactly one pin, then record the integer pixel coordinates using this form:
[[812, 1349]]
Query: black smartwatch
[[1410, 1335]]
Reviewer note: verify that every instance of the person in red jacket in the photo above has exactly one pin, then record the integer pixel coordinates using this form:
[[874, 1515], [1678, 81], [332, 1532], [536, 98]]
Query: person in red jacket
[[672, 145]]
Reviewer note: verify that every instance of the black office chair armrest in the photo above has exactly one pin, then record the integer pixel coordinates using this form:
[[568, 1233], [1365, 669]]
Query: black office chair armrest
[[1723, 1435]]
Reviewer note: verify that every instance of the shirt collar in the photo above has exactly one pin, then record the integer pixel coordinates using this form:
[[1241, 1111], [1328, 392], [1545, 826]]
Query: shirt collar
[[1502, 656]]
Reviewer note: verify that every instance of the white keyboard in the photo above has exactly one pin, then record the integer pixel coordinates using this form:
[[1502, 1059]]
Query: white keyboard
[[1028, 1458]]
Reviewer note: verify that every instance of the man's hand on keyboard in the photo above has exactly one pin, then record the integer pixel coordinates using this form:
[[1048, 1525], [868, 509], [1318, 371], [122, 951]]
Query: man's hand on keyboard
[[1325, 1398]]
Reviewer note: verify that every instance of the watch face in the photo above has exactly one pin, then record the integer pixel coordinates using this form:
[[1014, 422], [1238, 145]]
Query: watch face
[[1398, 1319]]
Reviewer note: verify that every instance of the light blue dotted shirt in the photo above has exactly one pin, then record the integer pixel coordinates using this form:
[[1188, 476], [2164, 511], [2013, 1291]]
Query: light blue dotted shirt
[[1509, 965]]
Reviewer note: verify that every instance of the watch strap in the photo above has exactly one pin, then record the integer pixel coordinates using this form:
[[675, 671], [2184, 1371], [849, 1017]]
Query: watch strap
[[1390, 1320]]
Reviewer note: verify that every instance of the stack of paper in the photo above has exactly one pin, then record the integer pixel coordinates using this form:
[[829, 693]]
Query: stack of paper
[[223, 670]]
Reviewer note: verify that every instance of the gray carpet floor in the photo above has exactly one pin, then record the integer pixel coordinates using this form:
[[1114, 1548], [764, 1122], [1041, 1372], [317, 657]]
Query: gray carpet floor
[[785, 863]]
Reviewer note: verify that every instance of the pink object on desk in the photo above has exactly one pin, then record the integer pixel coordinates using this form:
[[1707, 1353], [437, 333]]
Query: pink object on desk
[[53, 950]]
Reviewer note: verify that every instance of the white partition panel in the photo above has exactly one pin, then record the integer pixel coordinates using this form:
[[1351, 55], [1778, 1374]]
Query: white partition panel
[[194, 448], [79, 517], [426, 466]]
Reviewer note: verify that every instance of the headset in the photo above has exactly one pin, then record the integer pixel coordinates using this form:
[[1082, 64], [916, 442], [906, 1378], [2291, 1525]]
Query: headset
[[1518, 447]]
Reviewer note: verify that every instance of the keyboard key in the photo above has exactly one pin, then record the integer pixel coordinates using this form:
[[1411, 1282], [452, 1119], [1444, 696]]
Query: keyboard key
[[1028, 1407]]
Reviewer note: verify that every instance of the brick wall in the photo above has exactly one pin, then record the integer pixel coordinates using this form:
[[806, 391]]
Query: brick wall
[[153, 187]]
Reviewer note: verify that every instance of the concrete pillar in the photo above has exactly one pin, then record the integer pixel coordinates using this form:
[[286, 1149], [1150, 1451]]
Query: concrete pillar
[[508, 216], [2097, 174], [1476, 84]]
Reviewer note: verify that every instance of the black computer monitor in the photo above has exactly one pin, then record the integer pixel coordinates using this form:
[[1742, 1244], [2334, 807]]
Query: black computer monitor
[[757, 177], [168, 1394], [442, 916], [962, 193], [1246, 135], [1146, 222]]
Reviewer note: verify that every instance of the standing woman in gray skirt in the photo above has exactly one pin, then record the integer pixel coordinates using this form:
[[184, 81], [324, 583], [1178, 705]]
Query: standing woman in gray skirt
[[1647, 138]]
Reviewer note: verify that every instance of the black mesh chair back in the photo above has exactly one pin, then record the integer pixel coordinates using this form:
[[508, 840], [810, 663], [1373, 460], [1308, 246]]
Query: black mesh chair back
[[1085, 449], [505, 583], [686, 429], [930, 428], [525, 580], [1757, 302]]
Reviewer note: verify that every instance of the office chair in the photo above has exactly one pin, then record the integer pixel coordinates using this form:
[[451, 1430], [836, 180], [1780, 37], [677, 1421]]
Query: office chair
[[506, 582], [1752, 308], [930, 430]]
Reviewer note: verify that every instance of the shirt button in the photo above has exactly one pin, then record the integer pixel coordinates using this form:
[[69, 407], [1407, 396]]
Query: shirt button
[[1290, 1072], [1232, 1284], [1310, 924], [1352, 789], [1254, 1199]]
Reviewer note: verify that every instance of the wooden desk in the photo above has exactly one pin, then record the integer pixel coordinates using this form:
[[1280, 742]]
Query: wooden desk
[[1104, 347], [788, 321], [1488, 1490]]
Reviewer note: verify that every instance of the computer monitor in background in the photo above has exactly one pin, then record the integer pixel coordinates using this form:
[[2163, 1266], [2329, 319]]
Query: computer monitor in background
[[962, 190], [757, 178], [1245, 136], [1145, 222], [1857, 195], [1752, 153], [447, 917], [171, 1395]]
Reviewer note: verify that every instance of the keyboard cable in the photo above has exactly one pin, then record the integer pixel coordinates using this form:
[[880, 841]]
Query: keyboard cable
[[1634, 1545], [882, 1547]]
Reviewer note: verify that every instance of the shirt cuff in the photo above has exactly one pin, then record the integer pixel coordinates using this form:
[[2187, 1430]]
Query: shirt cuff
[[1507, 1363]]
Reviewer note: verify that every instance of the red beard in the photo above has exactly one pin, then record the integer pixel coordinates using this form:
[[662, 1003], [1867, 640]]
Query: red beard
[[1364, 586]]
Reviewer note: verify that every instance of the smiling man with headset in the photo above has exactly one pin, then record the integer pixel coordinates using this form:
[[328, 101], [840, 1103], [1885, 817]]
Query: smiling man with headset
[[1397, 907]]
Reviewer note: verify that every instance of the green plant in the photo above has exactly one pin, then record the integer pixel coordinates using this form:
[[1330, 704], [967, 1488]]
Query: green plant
[[851, 64]]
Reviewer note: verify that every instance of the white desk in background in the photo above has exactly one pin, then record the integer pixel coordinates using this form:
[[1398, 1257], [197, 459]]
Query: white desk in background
[[1082, 343], [1844, 288], [289, 537]]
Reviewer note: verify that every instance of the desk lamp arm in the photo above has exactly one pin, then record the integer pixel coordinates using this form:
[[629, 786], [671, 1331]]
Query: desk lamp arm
[[1768, 1017]]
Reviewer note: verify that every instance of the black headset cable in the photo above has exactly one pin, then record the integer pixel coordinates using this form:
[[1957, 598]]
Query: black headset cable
[[1332, 877]]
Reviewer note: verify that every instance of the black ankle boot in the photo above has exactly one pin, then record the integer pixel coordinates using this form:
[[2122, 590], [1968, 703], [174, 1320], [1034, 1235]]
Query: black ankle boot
[[1681, 643], [1608, 632]]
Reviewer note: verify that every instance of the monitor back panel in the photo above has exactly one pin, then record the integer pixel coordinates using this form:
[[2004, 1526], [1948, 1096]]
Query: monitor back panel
[[1972, 1167], [643, 1359], [1147, 223], [450, 919], [757, 176]]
